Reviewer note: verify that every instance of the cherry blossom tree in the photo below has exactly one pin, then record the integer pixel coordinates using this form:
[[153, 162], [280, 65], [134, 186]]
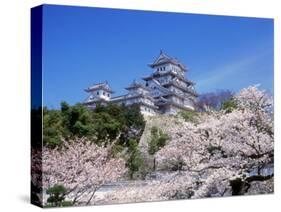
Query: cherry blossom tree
[[82, 167], [222, 154], [225, 149]]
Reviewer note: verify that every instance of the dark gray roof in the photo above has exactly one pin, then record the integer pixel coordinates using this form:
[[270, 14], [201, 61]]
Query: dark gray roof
[[104, 86], [126, 97], [171, 103], [164, 58], [185, 89], [168, 73], [135, 84], [93, 101]]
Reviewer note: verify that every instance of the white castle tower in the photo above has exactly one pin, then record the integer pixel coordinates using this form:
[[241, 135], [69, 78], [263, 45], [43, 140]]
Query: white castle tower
[[98, 93], [169, 87]]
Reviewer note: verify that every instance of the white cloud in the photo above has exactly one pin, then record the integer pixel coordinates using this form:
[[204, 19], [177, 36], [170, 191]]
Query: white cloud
[[227, 71]]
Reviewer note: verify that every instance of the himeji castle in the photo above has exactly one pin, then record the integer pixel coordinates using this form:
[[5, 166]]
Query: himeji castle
[[165, 91]]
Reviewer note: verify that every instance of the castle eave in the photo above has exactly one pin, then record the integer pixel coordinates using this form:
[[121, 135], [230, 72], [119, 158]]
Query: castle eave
[[188, 90], [171, 103], [96, 89]]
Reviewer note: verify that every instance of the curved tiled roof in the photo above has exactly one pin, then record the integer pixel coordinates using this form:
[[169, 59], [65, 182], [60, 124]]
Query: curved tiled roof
[[164, 58], [135, 84], [103, 86]]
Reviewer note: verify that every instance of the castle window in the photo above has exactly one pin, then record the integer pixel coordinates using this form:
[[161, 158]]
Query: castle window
[[146, 84], [108, 94], [104, 93], [97, 93]]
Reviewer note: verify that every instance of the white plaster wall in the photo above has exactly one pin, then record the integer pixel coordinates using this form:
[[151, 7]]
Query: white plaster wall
[[189, 104], [147, 111], [102, 94]]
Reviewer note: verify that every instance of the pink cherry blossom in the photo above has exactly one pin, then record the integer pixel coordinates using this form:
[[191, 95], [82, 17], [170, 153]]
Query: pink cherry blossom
[[82, 167]]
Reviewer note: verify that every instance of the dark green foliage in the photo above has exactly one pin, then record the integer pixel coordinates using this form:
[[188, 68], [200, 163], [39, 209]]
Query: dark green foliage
[[104, 123], [229, 105], [66, 204], [133, 117], [135, 160], [133, 126], [52, 127], [77, 120], [117, 149], [113, 120], [154, 130], [189, 116], [158, 140], [105, 126], [57, 196]]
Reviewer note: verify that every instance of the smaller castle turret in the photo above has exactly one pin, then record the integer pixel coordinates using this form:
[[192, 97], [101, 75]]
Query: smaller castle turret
[[98, 93]]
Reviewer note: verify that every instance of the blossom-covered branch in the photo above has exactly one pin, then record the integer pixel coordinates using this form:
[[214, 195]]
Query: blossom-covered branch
[[82, 167]]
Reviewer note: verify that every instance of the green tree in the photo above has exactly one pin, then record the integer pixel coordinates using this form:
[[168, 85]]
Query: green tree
[[105, 126], [57, 195], [104, 123], [189, 116], [158, 140], [229, 105], [77, 120], [134, 124], [135, 160], [52, 128]]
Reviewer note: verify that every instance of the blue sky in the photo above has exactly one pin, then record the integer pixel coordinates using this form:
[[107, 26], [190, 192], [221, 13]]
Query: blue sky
[[84, 45]]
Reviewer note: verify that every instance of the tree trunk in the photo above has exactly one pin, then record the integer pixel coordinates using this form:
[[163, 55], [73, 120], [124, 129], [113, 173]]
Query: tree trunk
[[89, 201], [240, 187]]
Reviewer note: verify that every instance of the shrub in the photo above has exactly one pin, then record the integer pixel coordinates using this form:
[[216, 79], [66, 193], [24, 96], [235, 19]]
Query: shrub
[[229, 105], [116, 149], [158, 140], [135, 160], [57, 195], [189, 116], [52, 127]]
